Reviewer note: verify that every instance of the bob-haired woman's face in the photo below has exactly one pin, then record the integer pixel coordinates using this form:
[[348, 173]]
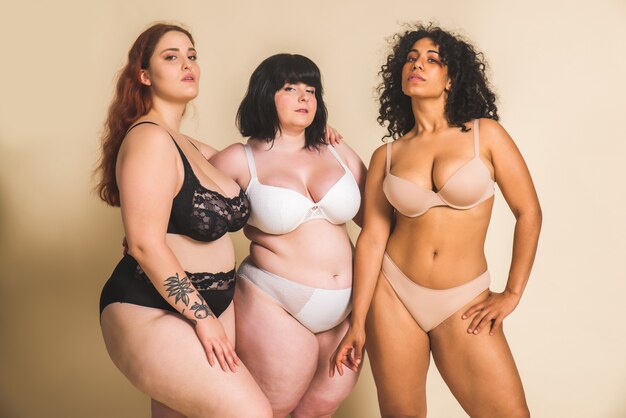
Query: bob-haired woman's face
[[424, 75], [174, 74], [296, 105]]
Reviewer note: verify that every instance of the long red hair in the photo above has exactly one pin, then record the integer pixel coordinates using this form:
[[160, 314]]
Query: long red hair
[[132, 100]]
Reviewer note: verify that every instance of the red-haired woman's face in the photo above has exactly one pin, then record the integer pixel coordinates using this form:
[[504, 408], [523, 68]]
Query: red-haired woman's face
[[174, 74], [424, 75]]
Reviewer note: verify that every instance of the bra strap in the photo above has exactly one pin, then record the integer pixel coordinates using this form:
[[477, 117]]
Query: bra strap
[[166, 131], [337, 157], [476, 140], [250, 158], [388, 157], [186, 164], [141, 123]]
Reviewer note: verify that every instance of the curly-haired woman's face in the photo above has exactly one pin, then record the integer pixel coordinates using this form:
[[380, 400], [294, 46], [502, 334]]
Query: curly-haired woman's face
[[296, 105], [424, 75], [174, 74]]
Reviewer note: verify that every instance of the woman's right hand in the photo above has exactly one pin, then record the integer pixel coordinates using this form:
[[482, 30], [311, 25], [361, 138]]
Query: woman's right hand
[[216, 344], [349, 353]]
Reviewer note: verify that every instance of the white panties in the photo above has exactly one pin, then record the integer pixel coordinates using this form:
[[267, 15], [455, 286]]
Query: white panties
[[317, 309]]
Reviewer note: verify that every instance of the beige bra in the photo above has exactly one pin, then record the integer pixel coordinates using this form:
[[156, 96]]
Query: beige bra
[[469, 186]]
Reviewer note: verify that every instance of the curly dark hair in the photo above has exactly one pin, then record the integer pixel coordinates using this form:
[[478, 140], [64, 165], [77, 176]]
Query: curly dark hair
[[470, 96]]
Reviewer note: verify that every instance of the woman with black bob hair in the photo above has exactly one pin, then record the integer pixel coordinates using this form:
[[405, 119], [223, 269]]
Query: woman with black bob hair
[[293, 292], [421, 280], [257, 116]]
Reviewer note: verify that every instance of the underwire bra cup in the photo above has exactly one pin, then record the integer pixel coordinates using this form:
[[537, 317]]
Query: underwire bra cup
[[269, 206], [467, 186], [397, 189], [279, 210]]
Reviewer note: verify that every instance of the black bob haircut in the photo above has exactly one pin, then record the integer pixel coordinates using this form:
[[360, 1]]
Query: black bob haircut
[[257, 117], [470, 96]]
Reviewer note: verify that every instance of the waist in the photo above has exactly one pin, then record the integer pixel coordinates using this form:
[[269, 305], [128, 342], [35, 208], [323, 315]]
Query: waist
[[436, 263], [202, 280], [197, 256]]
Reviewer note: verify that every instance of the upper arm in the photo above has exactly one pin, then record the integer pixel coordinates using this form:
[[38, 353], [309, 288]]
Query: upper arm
[[378, 212], [510, 170], [148, 177], [232, 161]]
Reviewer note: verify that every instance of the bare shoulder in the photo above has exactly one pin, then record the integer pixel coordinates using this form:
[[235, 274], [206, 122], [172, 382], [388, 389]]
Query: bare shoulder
[[147, 139], [232, 162], [347, 153], [232, 154], [380, 154], [148, 156], [492, 133]]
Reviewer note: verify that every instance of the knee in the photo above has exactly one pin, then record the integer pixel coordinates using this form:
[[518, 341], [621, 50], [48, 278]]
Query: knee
[[520, 411], [318, 405], [510, 410], [283, 407], [246, 402], [261, 410], [251, 408], [404, 412]]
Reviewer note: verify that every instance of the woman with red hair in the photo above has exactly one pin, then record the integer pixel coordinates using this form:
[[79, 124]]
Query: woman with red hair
[[166, 312]]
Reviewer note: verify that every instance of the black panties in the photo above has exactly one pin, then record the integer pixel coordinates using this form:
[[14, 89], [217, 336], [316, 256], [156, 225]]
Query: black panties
[[129, 284]]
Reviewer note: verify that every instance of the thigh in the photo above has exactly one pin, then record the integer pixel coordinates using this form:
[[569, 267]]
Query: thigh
[[227, 318], [279, 351], [478, 369], [325, 394], [160, 354], [160, 410], [399, 354]]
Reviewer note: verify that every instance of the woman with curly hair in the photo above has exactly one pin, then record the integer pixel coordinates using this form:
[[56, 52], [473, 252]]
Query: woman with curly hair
[[421, 280], [166, 312]]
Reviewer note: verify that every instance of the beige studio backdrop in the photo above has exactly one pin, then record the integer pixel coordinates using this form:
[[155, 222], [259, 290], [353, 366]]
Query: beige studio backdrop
[[558, 68]]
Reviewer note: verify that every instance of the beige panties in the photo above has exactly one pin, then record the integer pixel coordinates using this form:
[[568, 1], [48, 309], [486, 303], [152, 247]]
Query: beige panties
[[430, 307]]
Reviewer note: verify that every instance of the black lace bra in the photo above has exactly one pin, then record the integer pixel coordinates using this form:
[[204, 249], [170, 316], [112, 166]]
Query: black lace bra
[[203, 214]]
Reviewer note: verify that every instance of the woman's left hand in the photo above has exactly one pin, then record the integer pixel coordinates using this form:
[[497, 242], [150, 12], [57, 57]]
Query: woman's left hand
[[491, 312], [331, 136]]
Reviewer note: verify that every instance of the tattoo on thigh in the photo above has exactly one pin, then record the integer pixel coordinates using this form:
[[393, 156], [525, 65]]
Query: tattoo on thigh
[[180, 288]]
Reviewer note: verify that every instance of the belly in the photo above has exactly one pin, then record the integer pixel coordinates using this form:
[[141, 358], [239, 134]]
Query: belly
[[316, 254], [442, 248]]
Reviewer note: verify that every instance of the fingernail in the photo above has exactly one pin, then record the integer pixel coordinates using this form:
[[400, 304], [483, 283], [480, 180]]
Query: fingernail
[[463, 317], [469, 330], [475, 331]]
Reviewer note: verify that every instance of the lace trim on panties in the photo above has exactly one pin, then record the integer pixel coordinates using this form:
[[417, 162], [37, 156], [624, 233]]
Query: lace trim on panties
[[201, 281]]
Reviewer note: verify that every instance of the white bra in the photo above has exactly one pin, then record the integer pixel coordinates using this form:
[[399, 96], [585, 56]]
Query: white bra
[[278, 210]]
